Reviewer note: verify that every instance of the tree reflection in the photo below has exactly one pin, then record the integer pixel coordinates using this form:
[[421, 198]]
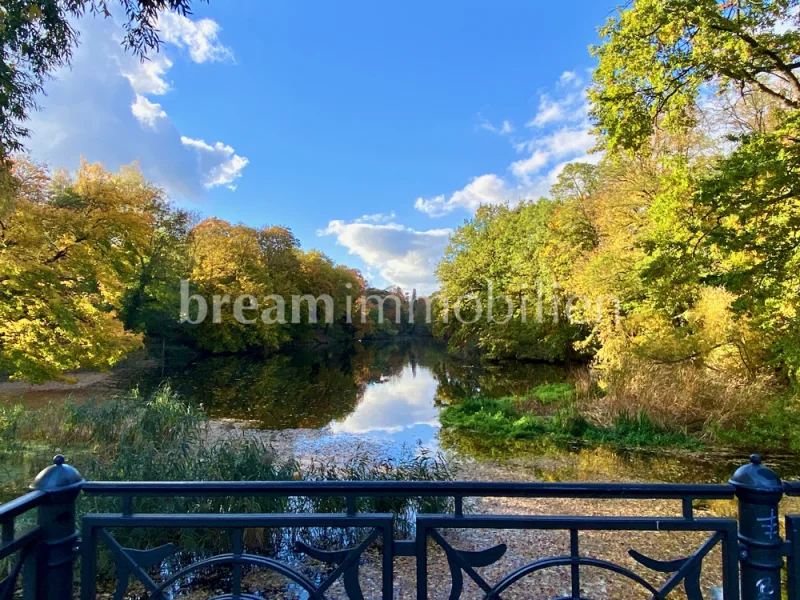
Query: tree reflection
[[311, 387]]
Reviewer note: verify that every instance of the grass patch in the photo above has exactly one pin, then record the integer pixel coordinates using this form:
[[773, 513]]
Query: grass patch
[[511, 419], [553, 393]]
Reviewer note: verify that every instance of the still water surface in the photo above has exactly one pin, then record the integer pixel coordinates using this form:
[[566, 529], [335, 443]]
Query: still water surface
[[389, 395]]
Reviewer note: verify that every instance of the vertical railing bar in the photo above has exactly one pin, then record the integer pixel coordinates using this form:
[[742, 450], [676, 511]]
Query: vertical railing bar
[[237, 546], [88, 562], [688, 509], [388, 561], [351, 505], [421, 551], [730, 563], [459, 506], [575, 570], [792, 565], [8, 531], [127, 505]]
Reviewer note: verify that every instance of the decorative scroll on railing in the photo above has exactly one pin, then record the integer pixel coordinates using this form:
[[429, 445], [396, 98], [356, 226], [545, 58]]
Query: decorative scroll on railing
[[748, 552], [685, 571]]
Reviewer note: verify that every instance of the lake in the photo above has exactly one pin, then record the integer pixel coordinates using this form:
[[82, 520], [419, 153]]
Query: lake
[[385, 397]]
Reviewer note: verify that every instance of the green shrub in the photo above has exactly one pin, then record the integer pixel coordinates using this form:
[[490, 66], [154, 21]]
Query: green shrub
[[131, 438]]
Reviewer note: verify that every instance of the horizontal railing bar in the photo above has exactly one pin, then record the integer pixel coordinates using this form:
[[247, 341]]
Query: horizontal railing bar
[[29, 538], [240, 520], [664, 491], [21, 505], [791, 488], [576, 522]]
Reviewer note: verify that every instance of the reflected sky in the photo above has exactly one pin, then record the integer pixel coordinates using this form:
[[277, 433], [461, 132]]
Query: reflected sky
[[399, 408]]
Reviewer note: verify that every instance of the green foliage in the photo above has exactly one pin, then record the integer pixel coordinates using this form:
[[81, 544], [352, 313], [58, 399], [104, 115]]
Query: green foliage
[[751, 219], [91, 265], [777, 427], [553, 393], [162, 437], [659, 56], [67, 253], [689, 223], [497, 260]]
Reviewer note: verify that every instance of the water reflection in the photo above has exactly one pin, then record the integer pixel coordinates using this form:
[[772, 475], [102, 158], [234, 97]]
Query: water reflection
[[401, 407], [389, 391], [392, 391]]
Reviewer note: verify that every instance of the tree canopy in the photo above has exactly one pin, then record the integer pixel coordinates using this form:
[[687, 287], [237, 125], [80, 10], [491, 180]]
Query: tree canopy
[[91, 266], [660, 60]]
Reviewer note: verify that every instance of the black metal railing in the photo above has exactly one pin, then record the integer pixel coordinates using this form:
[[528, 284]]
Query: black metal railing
[[751, 551]]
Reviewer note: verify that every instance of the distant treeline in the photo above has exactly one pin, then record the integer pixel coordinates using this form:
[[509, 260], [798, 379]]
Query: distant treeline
[[91, 264]]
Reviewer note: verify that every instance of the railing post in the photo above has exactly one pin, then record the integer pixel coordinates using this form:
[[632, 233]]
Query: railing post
[[759, 490], [49, 573]]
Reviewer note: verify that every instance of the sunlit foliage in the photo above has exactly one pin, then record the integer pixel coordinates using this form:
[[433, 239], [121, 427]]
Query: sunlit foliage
[[690, 219]]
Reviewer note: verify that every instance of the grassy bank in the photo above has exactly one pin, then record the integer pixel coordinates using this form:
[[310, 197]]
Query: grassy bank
[[551, 412], [561, 413]]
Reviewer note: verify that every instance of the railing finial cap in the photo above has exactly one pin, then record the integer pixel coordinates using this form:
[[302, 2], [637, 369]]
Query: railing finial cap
[[756, 476], [58, 476]]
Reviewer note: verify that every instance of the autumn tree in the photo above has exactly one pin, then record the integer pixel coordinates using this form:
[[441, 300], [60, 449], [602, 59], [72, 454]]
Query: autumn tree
[[497, 258], [660, 59], [67, 255]]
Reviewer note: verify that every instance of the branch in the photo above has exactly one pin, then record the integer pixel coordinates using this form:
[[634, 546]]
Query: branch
[[759, 49], [64, 251]]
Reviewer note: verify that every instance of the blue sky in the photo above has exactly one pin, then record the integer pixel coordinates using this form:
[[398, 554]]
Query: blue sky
[[371, 129]]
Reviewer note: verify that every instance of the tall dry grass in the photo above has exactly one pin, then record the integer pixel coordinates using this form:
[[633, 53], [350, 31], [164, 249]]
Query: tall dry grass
[[686, 396]]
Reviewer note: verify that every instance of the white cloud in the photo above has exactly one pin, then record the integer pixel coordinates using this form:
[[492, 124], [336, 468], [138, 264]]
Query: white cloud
[[147, 112], [402, 256], [523, 168], [561, 134], [570, 143], [98, 109], [505, 128], [147, 76], [200, 38], [219, 163], [569, 77], [486, 189], [376, 218], [549, 112], [394, 405], [575, 140], [572, 108]]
